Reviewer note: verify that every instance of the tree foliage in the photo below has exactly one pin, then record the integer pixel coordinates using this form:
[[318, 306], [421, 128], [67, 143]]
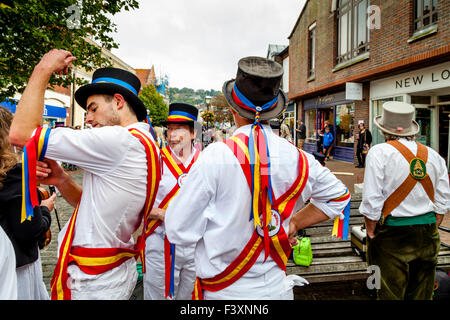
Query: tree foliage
[[30, 28], [222, 111], [190, 96], [155, 104]]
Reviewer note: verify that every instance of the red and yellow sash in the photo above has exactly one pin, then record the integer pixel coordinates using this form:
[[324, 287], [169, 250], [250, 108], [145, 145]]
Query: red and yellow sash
[[281, 209], [100, 260], [178, 170]]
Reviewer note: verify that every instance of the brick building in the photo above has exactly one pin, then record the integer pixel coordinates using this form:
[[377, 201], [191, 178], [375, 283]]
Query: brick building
[[386, 50]]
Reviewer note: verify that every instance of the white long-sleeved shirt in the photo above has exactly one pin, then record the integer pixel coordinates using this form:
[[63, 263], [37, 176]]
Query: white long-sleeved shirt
[[167, 183], [114, 191], [212, 209], [386, 169]]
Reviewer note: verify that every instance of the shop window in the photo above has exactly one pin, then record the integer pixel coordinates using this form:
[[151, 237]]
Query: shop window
[[352, 31], [310, 123], [377, 110], [345, 125], [420, 99], [423, 118], [425, 14], [289, 119]]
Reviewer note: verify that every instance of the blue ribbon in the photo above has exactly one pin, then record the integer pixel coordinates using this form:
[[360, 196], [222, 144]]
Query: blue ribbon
[[118, 82], [250, 104], [181, 113], [172, 270]]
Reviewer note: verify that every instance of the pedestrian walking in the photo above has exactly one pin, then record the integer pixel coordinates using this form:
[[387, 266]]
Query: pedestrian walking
[[405, 196], [327, 142], [363, 144], [120, 160], [301, 133], [238, 256]]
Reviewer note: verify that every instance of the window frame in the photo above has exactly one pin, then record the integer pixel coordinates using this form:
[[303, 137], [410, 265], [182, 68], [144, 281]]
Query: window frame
[[423, 16], [348, 9]]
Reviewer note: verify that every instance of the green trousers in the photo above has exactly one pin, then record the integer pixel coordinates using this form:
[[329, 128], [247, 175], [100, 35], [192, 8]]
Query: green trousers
[[407, 258]]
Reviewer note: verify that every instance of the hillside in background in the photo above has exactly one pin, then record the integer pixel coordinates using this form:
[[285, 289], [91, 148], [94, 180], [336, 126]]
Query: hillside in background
[[191, 96]]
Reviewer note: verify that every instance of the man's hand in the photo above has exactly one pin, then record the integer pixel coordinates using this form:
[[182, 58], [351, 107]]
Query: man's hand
[[157, 214], [56, 60], [30, 108], [49, 203], [370, 227], [439, 218], [49, 172]]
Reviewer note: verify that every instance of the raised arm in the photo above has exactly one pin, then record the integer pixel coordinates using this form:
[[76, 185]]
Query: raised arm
[[29, 111]]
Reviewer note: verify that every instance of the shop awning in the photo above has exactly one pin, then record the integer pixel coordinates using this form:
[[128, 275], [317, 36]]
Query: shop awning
[[49, 110]]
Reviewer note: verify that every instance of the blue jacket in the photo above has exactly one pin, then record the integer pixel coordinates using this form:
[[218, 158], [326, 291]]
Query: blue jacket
[[327, 139]]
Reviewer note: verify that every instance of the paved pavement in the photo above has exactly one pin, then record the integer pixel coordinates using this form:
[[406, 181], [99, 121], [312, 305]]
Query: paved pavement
[[346, 172]]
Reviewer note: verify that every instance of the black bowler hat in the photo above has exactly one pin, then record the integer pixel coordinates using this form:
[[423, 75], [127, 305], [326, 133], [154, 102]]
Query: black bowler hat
[[181, 113], [256, 88], [111, 81]]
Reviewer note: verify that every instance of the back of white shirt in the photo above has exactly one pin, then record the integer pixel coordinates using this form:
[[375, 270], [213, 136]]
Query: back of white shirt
[[114, 191], [386, 169], [212, 209]]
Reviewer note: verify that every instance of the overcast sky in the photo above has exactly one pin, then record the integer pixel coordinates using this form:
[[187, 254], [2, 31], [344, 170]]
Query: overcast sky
[[198, 43]]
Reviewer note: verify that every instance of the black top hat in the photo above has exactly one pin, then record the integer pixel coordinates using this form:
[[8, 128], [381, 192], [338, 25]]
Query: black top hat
[[181, 113], [256, 88], [111, 81]]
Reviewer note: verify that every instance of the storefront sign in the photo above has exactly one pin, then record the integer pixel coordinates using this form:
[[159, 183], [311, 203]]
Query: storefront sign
[[49, 111], [430, 78], [353, 91], [326, 101]]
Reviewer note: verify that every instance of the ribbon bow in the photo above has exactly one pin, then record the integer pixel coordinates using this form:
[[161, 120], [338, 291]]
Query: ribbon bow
[[260, 166]]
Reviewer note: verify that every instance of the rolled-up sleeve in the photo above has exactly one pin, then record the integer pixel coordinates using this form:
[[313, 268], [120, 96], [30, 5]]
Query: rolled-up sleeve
[[442, 190], [328, 193], [97, 150], [373, 198]]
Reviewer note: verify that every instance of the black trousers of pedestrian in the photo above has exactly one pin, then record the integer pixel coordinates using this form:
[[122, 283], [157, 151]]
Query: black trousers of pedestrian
[[361, 157]]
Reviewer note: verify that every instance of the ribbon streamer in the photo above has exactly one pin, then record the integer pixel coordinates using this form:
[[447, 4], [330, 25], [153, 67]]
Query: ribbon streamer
[[33, 150], [261, 187]]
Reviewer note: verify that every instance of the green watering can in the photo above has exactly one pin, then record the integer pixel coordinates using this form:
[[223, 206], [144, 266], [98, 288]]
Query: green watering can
[[302, 252]]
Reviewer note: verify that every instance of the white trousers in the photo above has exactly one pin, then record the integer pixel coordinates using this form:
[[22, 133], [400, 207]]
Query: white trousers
[[8, 278], [273, 285], [30, 284], [154, 277]]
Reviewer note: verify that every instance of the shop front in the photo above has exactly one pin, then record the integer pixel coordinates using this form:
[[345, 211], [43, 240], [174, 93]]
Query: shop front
[[51, 114], [428, 90], [339, 113]]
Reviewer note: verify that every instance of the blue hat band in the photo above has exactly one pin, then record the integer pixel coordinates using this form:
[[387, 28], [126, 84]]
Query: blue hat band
[[181, 114], [116, 81]]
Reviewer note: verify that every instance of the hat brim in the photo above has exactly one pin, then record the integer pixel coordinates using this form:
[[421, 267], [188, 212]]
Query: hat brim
[[281, 105], [415, 128], [84, 92]]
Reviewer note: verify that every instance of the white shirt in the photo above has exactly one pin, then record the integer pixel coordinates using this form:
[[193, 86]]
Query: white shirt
[[386, 169], [8, 278], [167, 183], [212, 209], [114, 191]]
